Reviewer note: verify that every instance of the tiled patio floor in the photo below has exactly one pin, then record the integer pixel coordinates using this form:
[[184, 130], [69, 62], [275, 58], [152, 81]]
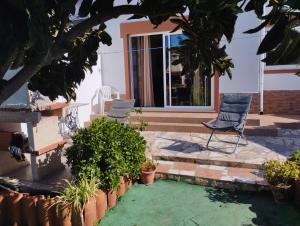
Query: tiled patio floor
[[183, 156], [191, 147]]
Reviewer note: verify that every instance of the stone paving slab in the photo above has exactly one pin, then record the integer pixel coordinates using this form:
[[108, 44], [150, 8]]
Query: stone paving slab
[[191, 147], [210, 175]]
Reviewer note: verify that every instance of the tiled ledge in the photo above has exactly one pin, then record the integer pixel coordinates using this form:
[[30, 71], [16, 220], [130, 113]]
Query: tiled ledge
[[210, 175]]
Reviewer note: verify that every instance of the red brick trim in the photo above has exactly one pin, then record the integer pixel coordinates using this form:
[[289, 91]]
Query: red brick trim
[[50, 147], [281, 71]]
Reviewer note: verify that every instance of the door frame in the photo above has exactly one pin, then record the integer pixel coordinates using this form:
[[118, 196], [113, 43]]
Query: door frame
[[142, 28]]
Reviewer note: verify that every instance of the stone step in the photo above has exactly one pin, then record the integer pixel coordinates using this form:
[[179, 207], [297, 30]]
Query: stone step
[[199, 128], [223, 162], [184, 117], [210, 175], [191, 118]]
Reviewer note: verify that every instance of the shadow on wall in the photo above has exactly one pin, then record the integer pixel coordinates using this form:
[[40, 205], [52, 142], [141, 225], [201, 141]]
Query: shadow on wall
[[50, 162], [267, 212]]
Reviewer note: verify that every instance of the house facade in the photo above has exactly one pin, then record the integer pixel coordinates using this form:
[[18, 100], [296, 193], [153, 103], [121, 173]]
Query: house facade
[[138, 65]]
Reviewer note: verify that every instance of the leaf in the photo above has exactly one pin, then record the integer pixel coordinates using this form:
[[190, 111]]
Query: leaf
[[134, 17], [274, 36], [85, 7], [258, 28], [295, 4], [250, 6]]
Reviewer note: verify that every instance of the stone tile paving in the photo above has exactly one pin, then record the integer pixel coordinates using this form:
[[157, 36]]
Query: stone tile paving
[[212, 175], [172, 145]]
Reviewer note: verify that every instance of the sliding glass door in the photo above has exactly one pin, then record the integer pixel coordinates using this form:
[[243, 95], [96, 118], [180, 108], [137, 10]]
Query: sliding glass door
[[183, 90], [155, 82]]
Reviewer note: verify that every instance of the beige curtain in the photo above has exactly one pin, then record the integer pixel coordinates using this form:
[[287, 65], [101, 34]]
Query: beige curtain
[[148, 95], [198, 89]]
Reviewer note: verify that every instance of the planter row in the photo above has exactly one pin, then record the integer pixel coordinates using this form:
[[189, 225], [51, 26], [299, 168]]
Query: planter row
[[18, 209]]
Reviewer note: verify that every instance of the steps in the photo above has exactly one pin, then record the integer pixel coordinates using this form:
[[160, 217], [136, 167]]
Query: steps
[[182, 117], [257, 125], [234, 178], [225, 162], [199, 128]]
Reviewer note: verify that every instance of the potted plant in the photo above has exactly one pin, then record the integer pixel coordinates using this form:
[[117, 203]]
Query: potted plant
[[148, 172], [108, 150], [295, 157], [281, 176], [77, 204], [101, 203]]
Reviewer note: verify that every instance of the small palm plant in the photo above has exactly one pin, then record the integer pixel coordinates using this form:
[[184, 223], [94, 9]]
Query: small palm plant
[[77, 193]]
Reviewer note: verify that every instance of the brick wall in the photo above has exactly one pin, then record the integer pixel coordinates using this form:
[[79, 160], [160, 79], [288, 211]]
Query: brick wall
[[282, 102], [277, 102]]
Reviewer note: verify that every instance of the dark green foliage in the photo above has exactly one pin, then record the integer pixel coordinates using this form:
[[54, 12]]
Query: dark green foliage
[[207, 23], [295, 157], [64, 75], [107, 149], [31, 30], [282, 42]]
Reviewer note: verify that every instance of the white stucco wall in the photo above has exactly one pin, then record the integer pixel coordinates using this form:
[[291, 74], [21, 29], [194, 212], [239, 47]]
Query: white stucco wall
[[112, 62], [281, 82], [242, 50], [86, 91]]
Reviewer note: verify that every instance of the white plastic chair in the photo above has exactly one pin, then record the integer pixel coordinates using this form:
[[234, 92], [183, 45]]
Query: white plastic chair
[[105, 94]]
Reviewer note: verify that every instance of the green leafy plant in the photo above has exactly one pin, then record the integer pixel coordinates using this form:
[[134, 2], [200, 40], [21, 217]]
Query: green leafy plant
[[142, 123], [280, 173], [295, 157], [107, 149], [78, 192]]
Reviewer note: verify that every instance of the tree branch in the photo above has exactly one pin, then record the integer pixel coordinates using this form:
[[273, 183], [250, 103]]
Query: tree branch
[[117, 11], [11, 86], [23, 76]]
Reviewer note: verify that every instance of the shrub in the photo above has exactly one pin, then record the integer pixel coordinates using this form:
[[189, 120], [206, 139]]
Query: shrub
[[280, 173], [107, 149], [295, 157]]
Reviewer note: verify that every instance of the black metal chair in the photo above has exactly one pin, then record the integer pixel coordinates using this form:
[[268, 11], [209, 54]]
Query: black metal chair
[[232, 116]]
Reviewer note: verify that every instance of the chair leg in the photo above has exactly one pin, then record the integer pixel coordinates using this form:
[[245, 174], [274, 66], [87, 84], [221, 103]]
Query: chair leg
[[237, 143], [245, 138], [212, 132]]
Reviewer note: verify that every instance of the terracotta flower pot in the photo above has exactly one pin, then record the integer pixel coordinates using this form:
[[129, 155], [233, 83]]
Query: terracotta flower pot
[[15, 208], [52, 211], [122, 188], [147, 177], [77, 218], [282, 194], [3, 207], [44, 213], [112, 199], [30, 210], [128, 183], [90, 214], [64, 215], [101, 203], [297, 191]]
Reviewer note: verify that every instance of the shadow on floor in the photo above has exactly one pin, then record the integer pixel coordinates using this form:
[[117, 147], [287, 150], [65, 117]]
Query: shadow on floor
[[267, 212]]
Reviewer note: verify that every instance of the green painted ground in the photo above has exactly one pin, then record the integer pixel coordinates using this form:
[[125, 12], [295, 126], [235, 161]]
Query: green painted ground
[[169, 203]]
